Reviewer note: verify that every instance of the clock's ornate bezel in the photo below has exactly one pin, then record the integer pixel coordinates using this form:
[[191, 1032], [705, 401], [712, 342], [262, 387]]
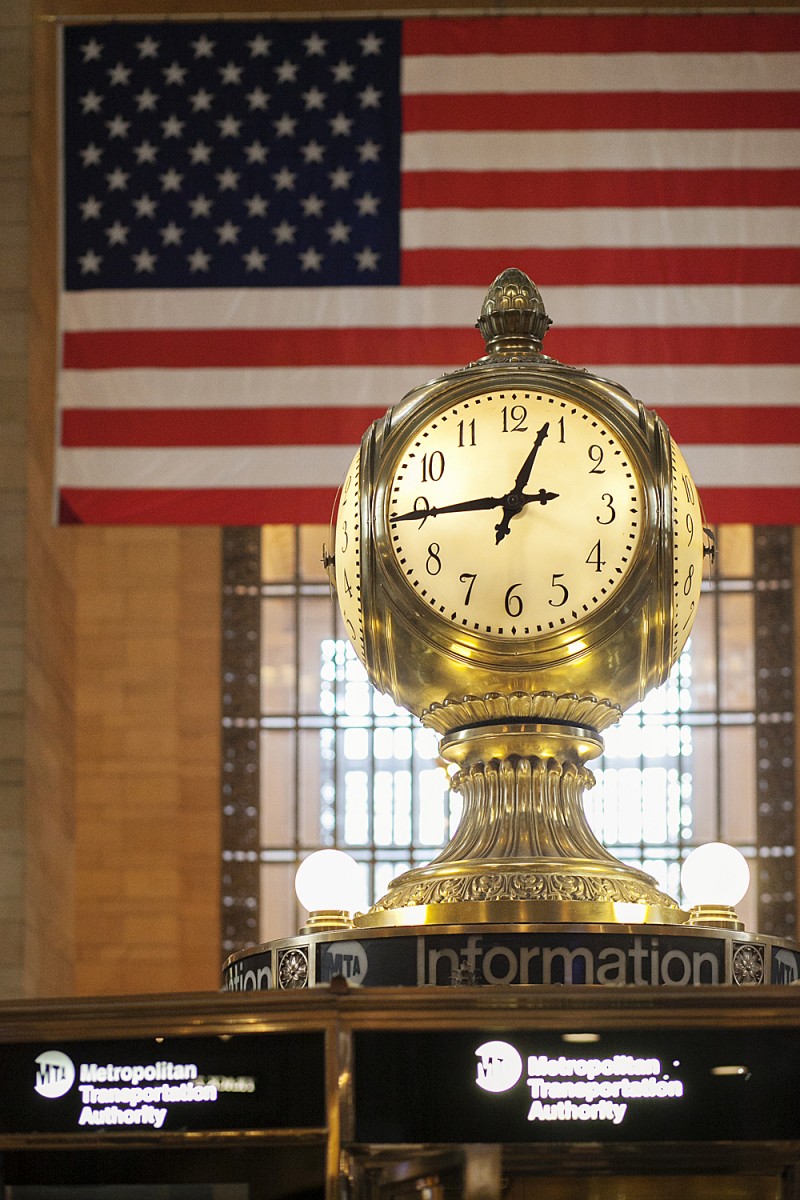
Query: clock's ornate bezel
[[636, 431]]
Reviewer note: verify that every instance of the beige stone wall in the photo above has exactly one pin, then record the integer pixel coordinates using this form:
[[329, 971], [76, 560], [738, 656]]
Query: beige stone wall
[[15, 75], [147, 760], [114, 855]]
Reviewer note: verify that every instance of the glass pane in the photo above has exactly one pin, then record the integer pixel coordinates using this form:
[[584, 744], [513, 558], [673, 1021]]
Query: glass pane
[[278, 788], [278, 667], [312, 539], [314, 796], [315, 632], [700, 806], [738, 747], [703, 650], [737, 666], [279, 908], [277, 553], [353, 816], [735, 551]]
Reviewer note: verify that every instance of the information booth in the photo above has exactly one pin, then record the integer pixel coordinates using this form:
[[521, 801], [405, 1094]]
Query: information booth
[[431, 1093], [517, 555]]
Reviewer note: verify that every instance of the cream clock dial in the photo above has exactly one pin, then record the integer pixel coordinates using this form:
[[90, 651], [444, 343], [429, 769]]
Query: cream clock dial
[[348, 550], [687, 551], [515, 514]]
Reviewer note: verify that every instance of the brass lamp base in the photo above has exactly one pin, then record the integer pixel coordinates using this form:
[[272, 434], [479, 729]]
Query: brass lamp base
[[325, 919], [714, 916], [523, 851]]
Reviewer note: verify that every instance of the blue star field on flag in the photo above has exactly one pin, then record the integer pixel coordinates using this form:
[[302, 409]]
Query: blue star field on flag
[[233, 154]]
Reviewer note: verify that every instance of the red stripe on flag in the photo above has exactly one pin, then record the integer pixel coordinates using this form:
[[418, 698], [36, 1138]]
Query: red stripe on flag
[[313, 506], [690, 346], [590, 266], [474, 112], [196, 506], [141, 427], [689, 33], [751, 506], [216, 426], [733, 426], [198, 348], [601, 189]]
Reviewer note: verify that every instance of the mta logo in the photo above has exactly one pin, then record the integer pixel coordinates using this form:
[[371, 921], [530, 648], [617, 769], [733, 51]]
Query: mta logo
[[348, 959], [785, 967], [499, 1066], [55, 1074]]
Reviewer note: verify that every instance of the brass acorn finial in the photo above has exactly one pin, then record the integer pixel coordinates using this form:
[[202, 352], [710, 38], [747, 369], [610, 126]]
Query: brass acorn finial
[[513, 315]]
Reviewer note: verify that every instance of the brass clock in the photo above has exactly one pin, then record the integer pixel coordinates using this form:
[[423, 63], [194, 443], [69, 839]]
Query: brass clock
[[517, 558]]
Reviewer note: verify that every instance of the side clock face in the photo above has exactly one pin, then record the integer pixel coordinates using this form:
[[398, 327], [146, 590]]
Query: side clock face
[[348, 556], [515, 514], [687, 551]]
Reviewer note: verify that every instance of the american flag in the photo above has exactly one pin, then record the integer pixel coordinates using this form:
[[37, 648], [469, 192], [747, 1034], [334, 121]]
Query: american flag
[[273, 230]]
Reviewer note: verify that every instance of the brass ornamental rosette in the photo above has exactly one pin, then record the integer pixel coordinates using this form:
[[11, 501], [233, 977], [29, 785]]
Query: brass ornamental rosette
[[517, 558]]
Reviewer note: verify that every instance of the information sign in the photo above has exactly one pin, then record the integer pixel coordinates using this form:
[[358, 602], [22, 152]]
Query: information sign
[[239, 1082], [661, 1086]]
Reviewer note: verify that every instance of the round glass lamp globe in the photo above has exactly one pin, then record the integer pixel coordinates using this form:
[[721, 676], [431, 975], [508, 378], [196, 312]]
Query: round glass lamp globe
[[715, 874], [328, 881]]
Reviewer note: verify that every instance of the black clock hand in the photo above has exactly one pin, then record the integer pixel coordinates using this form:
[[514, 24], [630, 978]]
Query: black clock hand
[[512, 503], [540, 497], [527, 466], [483, 502], [461, 506]]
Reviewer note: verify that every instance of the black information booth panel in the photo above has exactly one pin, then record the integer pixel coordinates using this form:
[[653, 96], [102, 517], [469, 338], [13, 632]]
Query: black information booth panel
[[652, 1086], [175, 1085], [225, 1117], [341, 1093]]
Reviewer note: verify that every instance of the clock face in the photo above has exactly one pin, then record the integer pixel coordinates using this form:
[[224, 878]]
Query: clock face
[[348, 556], [687, 551], [515, 514]]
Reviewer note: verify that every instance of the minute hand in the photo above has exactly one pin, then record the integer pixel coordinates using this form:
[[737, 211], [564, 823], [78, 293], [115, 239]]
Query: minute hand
[[526, 468], [483, 502]]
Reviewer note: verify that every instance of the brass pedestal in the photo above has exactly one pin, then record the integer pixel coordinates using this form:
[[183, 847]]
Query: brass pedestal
[[523, 851]]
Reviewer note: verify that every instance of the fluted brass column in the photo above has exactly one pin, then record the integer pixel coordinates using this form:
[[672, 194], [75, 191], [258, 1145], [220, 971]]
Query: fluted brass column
[[523, 850]]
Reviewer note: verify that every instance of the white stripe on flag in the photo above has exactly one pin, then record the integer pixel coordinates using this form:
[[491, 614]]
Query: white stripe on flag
[[234, 387], [534, 73], [743, 466], [192, 467], [615, 227], [376, 387], [425, 307], [325, 466], [634, 150]]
